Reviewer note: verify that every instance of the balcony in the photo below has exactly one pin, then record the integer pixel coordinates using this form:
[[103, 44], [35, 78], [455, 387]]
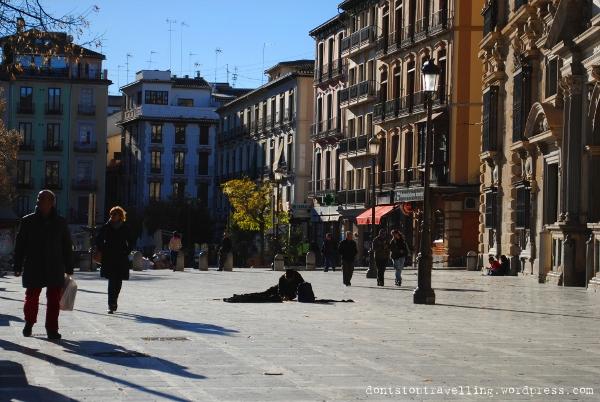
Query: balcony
[[440, 21], [345, 197], [54, 108], [84, 184], [86, 110], [407, 38], [354, 144], [52, 183], [329, 72], [358, 94], [155, 170], [27, 146], [25, 108], [389, 178], [24, 183], [359, 40], [421, 27], [53, 146], [89, 147], [329, 129]]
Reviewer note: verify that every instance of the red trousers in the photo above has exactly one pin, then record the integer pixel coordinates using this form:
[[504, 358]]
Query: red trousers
[[32, 297]]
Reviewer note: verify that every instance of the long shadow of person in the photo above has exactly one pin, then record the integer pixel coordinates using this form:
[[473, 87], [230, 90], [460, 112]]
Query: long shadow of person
[[6, 319], [13, 347], [115, 354], [15, 386], [196, 327]]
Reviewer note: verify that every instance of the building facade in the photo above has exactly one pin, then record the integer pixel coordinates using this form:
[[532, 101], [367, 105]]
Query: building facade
[[168, 134], [268, 129], [540, 141], [58, 104]]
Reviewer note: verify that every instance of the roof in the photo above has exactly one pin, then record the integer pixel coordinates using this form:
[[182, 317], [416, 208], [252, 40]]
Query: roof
[[333, 24], [196, 82], [44, 41], [347, 5], [223, 88], [302, 64]]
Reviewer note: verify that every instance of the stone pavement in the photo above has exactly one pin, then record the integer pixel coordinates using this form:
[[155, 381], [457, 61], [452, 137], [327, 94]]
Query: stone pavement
[[173, 340]]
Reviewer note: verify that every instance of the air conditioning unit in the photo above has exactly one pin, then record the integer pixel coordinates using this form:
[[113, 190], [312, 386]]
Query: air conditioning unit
[[470, 204]]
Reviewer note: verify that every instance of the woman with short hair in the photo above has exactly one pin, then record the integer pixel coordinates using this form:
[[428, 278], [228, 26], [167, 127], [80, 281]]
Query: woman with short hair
[[115, 243]]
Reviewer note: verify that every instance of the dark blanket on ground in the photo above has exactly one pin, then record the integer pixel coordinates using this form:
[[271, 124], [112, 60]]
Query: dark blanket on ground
[[286, 289]]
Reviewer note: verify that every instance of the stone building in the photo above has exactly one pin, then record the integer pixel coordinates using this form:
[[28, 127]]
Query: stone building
[[540, 154]]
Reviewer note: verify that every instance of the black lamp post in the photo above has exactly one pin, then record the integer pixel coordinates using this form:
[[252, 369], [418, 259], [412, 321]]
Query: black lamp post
[[424, 294], [374, 144]]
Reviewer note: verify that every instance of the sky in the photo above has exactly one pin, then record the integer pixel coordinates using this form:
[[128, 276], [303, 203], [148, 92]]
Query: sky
[[241, 29]]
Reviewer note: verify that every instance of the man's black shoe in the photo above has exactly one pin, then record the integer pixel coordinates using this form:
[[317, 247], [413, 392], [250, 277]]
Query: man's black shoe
[[27, 330], [54, 336]]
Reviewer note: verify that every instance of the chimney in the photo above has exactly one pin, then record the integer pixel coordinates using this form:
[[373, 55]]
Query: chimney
[[20, 25]]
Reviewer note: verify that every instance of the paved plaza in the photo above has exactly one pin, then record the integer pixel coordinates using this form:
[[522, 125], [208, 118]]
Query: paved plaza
[[174, 339]]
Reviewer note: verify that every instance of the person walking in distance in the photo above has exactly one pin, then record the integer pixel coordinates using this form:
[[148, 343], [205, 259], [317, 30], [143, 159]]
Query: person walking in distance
[[381, 253], [115, 243], [347, 250], [328, 251], [43, 255], [174, 248], [398, 251], [224, 249]]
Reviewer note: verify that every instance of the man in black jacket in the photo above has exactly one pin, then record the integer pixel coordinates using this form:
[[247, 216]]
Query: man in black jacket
[[347, 250], [43, 254], [328, 250], [224, 249]]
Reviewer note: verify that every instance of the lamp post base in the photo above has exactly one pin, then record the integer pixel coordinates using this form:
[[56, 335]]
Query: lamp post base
[[424, 296]]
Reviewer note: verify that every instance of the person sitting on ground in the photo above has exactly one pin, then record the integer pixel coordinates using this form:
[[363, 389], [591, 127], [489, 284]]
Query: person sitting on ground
[[286, 289], [494, 268], [288, 284], [504, 265]]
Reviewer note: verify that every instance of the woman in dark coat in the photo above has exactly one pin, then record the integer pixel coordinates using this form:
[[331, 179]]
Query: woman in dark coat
[[115, 243]]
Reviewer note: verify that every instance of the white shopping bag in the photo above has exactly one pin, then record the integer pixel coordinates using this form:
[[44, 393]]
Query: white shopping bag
[[67, 301]]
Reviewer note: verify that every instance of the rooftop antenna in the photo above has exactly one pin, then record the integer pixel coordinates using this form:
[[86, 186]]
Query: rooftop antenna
[[198, 65], [119, 67], [183, 24], [234, 76], [190, 54], [127, 57], [217, 52], [170, 22], [150, 61], [227, 69]]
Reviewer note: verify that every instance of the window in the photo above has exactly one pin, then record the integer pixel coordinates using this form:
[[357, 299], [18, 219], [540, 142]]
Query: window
[[53, 134], [551, 193], [551, 77], [26, 99], [490, 119], [521, 101], [156, 131], [154, 190], [138, 98], [351, 128], [349, 180], [281, 108], [422, 132], [204, 135], [490, 209], [25, 131], [290, 154], [291, 106], [23, 173], [156, 97], [179, 162], [523, 207], [54, 104], [203, 163], [359, 179], [155, 161], [23, 206], [185, 102], [84, 170], [442, 79], [86, 96], [180, 134], [85, 134], [370, 124], [203, 193], [52, 173], [178, 190]]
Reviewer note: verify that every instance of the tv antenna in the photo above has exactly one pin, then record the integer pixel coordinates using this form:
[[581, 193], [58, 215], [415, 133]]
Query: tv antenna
[[217, 52], [170, 22], [190, 54], [127, 57], [150, 60], [234, 77]]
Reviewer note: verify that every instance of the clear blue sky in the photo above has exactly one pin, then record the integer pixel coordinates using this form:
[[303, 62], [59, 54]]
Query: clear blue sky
[[238, 27]]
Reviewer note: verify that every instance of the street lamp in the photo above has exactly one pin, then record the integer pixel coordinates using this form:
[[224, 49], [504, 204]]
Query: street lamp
[[374, 144], [424, 294]]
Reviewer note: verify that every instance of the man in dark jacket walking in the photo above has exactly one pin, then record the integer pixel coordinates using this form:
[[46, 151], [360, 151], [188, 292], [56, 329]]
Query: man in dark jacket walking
[[224, 249], [328, 250], [43, 255], [381, 252], [347, 250], [399, 251], [115, 243]]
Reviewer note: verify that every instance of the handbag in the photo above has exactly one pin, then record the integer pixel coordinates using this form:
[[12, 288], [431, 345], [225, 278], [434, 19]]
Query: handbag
[[67, 301]]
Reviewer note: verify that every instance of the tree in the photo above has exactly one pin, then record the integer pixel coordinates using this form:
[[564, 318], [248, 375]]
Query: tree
[[252, 209], [9, 145], [22, 22]]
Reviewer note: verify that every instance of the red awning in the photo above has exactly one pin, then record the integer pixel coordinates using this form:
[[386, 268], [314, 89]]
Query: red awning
[[380, 212]]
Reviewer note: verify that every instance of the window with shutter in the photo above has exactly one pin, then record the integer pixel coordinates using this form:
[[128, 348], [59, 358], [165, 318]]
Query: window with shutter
[[490, 209], [521, 101], [490, 119], [523, 207]]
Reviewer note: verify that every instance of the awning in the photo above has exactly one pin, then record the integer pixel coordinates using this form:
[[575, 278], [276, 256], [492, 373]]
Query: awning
[[380, 212]]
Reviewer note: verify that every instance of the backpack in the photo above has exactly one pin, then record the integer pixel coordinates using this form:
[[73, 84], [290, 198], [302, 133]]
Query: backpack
[[305, 293]]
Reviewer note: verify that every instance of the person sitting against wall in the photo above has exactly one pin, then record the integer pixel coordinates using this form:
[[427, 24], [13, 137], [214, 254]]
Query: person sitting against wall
[[504, 265], [495, 268]]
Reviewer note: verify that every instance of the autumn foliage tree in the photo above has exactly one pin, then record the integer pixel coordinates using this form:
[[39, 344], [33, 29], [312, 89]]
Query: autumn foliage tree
[[252, 207], [9, 145]]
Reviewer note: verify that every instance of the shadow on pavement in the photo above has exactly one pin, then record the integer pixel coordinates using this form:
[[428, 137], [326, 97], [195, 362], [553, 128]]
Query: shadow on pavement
[[115, 354], [197, 327], [6, 319], [91, 291], [13, 347], [14, 386], [517, 311]]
